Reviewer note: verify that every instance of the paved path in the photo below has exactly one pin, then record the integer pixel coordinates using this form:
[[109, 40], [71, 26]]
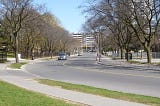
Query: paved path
[[123, 62], [27, 82], [78, 97]]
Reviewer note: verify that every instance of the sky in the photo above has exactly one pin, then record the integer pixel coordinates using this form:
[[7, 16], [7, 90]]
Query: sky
[[67, 11]]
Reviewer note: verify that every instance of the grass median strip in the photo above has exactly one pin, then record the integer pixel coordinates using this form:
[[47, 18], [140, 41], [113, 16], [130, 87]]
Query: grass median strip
[[103, 92], [17, 65], [12, 95]]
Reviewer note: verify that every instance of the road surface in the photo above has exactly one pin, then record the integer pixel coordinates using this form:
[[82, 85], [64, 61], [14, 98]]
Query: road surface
[[112, 75]]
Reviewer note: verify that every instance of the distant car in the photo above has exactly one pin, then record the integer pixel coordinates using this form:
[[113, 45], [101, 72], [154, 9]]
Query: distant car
[[79, 54], [62, 56], [92, 50]]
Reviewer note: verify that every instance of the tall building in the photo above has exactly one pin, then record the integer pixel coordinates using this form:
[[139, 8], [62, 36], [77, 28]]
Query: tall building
[[78, 37], [87, 41]]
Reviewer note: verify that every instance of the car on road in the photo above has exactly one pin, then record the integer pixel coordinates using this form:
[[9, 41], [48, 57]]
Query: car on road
[[79, 54], [62, 56]]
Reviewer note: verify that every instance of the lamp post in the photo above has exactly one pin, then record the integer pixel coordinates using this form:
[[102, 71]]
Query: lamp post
[[98, 48]]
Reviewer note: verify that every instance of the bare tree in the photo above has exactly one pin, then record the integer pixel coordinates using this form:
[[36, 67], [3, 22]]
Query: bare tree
[[50, 31], [30, 30], [138, 16], [57, 38], [105, 17], [30, 33], [143, 18], [64, 40], [15, 12]]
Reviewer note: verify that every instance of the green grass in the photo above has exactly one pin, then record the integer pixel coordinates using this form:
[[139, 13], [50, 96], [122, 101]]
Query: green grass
[[156, 63], [48, 58], [10, 55], [11, 95], [116, 58], [17, 65], [103, 92], [136, 62]]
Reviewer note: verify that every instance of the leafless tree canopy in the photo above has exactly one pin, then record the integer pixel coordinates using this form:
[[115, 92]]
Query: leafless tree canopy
[[126, 19], [29, 31]]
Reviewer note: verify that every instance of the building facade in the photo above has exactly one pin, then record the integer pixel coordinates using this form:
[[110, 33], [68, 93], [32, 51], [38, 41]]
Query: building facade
[[87, 41]]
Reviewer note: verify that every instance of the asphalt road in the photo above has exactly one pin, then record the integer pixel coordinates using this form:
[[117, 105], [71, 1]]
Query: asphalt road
[[112, 74]]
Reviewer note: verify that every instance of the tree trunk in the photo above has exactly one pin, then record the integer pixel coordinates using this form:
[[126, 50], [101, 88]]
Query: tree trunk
[[127, 55], [122, 53], [16, 47], [149, 57], [51, 54], [127, 52]]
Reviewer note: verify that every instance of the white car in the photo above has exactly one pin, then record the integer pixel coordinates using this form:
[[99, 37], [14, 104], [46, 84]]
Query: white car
[[79, 54], [62, 56]]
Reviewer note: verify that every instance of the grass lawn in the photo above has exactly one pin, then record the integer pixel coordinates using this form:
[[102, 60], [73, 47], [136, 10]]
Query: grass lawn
[[17, 65], [138, 62], [11, 95], [10, 54], [103, 92]]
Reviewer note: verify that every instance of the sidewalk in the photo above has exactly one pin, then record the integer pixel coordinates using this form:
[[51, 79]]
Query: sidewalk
[[78, 97], [123, 62], [3, 66], [88, 99]]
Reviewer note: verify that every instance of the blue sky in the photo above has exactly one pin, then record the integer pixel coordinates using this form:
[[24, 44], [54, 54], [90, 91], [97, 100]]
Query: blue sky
[[67, 12]]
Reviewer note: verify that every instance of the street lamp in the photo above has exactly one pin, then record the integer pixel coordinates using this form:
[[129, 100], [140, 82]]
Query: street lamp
[[98, 48]]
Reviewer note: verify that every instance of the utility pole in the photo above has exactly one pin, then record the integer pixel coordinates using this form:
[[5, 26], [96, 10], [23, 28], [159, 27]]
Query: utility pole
[[99, 48]]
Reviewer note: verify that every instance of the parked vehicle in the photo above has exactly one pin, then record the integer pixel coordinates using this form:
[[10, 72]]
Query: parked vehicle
[[62, 56], [79, 54]]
